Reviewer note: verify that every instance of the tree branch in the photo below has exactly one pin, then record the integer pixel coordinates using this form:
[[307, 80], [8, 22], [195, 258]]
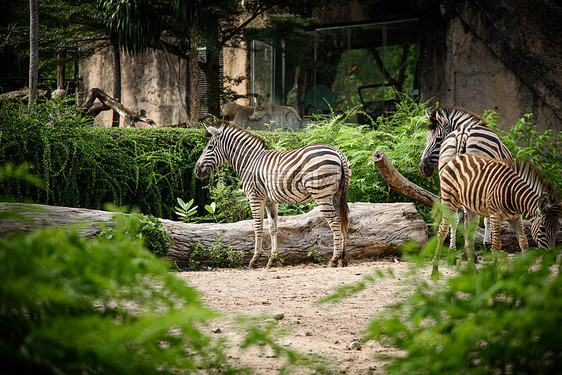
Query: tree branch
[[401, 183], [130, 117]]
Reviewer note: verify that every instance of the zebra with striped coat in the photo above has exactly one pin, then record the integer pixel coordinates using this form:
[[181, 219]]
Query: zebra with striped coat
[[489, 187], [456, 131], [270, 177]]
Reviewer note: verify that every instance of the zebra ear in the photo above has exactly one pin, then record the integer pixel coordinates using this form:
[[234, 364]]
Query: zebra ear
[[212, 130], [544, 202]]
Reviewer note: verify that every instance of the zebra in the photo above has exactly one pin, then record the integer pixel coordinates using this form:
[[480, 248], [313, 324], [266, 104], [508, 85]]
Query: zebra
[[456, 131], [489, 187], [271, 177]]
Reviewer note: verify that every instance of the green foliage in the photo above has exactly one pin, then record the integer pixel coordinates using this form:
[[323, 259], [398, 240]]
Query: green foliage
[[315, 255], [500, 319], [185, 210], [400, 135], [84, 166], [219, 254], [143, 227], [231, 204], [265, 332], [524, 141], [74, 305]]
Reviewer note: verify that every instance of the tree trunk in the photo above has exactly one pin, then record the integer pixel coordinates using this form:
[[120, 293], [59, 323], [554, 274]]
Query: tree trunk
[[374, 229], [213, 83], [194, 85], [61, 69], [33, 51], [116, 66]]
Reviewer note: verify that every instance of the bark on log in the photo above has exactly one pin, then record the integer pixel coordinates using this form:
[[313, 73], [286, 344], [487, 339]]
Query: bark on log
[[130, 117], [374, 229], [401, 183]]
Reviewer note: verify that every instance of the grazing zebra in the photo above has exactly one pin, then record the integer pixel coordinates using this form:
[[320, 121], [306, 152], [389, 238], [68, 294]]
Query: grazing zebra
[[270, 177], [455, 131], [489, 187]]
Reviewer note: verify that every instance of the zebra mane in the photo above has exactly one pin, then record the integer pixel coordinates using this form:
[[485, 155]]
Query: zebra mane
[[237, 129], [446, 115], [532, 176]]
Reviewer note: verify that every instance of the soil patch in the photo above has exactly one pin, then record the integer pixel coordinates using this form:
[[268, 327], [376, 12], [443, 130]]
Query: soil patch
[[333, 330]]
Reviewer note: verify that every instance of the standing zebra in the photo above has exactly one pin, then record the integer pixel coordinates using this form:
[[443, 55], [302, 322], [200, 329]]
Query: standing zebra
[[455, 131], [489, 187], [270, 177]]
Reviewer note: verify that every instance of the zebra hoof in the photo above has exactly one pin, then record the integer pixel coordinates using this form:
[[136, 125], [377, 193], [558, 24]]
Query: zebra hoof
[[342, 263], [332, 263], [253, 263]]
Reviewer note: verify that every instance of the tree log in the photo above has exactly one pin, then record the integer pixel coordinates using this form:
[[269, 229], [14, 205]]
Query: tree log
[[374, 229], [22, 94], [130, 117], [401, 183]]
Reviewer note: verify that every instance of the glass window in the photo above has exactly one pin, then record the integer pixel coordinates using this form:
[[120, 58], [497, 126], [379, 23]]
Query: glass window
[[351, 66]]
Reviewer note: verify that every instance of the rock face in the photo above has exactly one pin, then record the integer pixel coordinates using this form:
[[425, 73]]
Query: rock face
[[146, 83]]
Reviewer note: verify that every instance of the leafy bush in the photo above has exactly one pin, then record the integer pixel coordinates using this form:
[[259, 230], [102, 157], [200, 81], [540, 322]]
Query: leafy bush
[[144, 227], [219, 254], [400, 135], [74, 305], [84, 166], [500, 319]]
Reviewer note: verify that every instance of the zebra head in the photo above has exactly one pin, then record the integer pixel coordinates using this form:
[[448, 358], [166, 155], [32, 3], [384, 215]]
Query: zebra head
[[545, 224], [439, 126], [213, 156]]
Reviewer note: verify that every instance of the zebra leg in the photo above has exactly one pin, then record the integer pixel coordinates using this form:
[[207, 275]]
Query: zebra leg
[[517, 226], [469, 237], [271, 209], [441, 234], [453, 230], [257, 214], [329, 212], [495, 227], [487, 233]]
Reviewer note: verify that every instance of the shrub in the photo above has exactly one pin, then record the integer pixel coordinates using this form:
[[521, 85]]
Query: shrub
[[219, 255], [500, 319], [84, 166], [144, 227], [401, 135], [75, 305]]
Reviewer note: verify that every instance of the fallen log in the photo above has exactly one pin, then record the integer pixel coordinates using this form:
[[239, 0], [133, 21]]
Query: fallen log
[[22, 94], [374, 229], [92, 109]]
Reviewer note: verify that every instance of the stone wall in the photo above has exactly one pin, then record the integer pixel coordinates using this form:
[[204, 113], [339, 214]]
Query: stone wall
[[474, 78], [146, 84], [458, 67]]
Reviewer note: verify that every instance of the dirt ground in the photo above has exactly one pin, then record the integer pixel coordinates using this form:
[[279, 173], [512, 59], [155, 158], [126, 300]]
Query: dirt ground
[[332, 331]]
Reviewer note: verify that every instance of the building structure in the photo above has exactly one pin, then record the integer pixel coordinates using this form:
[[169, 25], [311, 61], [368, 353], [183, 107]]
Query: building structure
[[505, 56]]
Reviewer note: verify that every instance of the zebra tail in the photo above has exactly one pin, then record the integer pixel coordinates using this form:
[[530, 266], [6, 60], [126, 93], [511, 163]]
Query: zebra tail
[[343, 206]]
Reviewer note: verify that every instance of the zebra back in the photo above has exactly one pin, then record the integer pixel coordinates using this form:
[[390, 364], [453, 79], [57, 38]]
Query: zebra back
[[488, 187], [455, 131]]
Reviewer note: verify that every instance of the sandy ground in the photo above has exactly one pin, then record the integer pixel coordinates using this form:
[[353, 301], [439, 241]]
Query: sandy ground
[[332, 331]]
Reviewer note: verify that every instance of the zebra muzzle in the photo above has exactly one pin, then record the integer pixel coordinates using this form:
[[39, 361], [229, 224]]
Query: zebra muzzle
[[202, 171]]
